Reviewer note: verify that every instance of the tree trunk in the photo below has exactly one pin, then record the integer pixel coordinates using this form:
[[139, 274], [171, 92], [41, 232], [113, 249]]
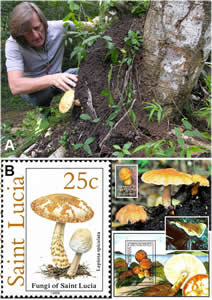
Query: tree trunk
[[176, 45]]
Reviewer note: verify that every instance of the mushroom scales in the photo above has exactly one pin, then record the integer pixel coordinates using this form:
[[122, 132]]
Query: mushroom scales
[[166, 177], [61, 208]]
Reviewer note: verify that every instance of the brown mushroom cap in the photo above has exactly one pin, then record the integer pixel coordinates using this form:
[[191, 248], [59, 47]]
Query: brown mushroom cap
[[124, 173], [166, 177], [66, 101], [201, 179], [192, 229], [131, 213], [62, 208]]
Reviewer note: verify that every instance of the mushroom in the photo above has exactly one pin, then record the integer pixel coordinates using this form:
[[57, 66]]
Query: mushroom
[[197, 286], [177, 265], [67, 101], [166, 177], [61, 208], [80, 242], [199, 181], [145, 264], [131, 213], [192, 229], [140, 254], [125, 175]]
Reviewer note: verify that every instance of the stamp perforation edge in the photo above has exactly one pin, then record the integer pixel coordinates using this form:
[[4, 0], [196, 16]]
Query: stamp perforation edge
[[14, 161]]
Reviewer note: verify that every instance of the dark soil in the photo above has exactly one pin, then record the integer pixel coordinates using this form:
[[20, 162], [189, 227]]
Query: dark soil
[[93, 77], [199, 205]]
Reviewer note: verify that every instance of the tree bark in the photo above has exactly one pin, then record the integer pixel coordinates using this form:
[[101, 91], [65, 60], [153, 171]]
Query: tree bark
[[176, 46]]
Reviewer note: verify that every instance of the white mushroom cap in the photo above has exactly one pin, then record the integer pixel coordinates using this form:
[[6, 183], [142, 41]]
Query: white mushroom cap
[[81, 241]]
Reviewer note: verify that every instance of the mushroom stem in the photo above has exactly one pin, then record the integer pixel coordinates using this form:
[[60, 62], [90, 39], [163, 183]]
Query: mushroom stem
[[175, 288], [58, 253], [166, 197], [195, 189], [74, 265]]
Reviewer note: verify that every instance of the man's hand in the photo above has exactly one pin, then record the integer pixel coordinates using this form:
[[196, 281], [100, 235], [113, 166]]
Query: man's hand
[[64, 81]]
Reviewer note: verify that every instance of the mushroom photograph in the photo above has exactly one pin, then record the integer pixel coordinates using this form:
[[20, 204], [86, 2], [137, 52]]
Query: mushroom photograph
[[177, 188], [187, 233]]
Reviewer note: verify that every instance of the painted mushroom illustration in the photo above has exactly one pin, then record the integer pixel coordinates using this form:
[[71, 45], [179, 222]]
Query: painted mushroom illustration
[[125, 176], [198, 285], [183, 265], [131, 213], [61, 208], [166, 177], [67, 101], [80, 242]]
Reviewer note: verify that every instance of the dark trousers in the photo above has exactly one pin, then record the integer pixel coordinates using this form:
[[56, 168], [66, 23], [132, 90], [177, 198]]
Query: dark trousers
[[44, 97]]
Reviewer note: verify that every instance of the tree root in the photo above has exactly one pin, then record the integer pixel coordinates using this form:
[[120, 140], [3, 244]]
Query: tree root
[[90, 104]]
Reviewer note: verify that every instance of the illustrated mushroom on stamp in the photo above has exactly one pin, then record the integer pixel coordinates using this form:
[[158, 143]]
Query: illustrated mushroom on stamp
[[56, 229]]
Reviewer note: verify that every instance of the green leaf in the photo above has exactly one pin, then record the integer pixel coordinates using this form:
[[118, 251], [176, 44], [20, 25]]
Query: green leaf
[[127, 145], [114, 55], [181, 142], [195, 133], [110, 74], [116, 153], [85, 117], [91, 39], [112, 116], [117, 147], [110, 100], [89, 140], [87, 148], [132, 115], [126, 152], [107, 38], [77, 146], [178, 132], [97, 120], [187, 124], [105, 92]]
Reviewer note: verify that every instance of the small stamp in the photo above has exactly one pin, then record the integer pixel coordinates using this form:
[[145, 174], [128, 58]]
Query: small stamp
[[126, 181], [56, 228]]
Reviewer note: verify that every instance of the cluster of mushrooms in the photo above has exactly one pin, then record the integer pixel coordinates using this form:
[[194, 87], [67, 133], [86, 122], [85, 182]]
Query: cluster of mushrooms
[[132, 213], [64, 208], [141, 268]]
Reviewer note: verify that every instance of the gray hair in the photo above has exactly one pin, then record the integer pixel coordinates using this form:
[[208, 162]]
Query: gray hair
[[20, 20]]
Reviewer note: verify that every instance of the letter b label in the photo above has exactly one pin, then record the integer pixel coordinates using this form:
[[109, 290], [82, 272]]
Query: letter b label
[[9, 170]]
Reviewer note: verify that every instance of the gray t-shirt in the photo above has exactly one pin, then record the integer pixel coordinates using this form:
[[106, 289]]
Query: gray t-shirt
[[34, 61]]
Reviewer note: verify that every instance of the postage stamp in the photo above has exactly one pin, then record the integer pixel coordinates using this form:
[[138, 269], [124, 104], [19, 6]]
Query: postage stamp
[[142, 267], [55, 228], [126, 181]]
